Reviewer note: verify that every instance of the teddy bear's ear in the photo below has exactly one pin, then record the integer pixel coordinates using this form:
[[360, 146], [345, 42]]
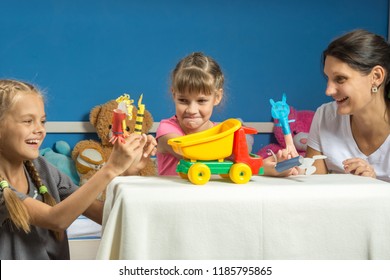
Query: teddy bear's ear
[[94, 114]]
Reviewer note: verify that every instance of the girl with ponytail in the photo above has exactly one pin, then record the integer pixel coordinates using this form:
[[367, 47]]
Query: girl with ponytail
[[34, 213]]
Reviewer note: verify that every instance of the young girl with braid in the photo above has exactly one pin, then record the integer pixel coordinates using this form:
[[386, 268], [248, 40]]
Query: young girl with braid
[[37, 202]]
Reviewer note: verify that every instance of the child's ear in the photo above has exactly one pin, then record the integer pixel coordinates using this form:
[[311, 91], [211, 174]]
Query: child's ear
[[173, 92], [218, 96]]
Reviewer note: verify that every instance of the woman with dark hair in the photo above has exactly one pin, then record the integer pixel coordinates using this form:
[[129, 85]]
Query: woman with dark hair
[[353, 130]]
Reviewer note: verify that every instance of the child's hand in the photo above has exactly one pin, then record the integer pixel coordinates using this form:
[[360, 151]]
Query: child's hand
[[150, 147], [286, 154], [358, 166], [270, 163], [290, 147], [149, 144], [125, 154]]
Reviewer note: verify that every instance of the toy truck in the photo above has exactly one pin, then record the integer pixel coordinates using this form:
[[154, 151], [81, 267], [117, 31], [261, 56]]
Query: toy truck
[[221, 150]]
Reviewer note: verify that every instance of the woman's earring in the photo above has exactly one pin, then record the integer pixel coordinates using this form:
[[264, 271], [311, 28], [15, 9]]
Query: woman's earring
[[374, 89]]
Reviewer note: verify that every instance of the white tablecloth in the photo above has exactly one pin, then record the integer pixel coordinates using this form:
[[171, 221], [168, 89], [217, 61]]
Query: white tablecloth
[[302, 217]]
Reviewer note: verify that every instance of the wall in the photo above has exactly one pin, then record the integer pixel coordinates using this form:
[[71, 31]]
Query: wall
[[83, 53]]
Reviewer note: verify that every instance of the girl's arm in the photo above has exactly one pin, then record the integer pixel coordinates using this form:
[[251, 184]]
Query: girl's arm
[[60, 216], [95, 211], [163, 147]]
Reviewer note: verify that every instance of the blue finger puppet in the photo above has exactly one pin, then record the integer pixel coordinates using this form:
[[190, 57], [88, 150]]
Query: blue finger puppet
[[280, 111]]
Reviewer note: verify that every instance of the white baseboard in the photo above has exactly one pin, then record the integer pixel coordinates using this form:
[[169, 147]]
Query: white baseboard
[[83, 249]]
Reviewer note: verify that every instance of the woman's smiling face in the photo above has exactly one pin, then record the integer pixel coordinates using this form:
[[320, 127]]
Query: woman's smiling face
[[348, 87]]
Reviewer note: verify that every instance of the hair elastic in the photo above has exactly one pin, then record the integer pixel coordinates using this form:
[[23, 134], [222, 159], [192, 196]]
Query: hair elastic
[[42, 189], [4, 184]]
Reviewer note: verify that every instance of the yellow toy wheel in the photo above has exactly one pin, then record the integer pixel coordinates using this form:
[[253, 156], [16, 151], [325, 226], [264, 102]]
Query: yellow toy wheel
[[240, 173], [199, 174], [183, 175]]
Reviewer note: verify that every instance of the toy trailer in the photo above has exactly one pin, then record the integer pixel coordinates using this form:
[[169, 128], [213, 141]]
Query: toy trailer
[[221, 150]]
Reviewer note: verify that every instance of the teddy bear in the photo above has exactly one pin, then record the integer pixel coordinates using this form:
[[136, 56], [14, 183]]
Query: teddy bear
[[91, 155], [299, 130], [60, 157]]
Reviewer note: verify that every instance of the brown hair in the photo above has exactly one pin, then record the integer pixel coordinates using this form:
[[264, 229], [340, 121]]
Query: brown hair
[[362, 51], [197, 73]]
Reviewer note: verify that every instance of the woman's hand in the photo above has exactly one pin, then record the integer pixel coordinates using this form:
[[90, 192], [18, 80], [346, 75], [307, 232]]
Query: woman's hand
[[358, 166]]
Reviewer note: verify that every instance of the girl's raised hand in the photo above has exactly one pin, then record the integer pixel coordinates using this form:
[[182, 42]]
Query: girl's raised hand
[[150, 147], [124, 155], [148, 143]]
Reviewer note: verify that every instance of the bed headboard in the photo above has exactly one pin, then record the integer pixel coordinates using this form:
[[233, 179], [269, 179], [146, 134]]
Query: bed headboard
[[86, 127], [73, 132]]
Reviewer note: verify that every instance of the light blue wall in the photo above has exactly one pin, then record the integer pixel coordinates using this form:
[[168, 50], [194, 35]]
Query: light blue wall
[[84, 53]]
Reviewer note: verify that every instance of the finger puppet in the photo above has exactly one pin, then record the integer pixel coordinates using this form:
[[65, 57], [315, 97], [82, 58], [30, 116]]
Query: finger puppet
[[299, 130], [280, 111], [91, 155], [306, 164], [140, 116], [123, 110]]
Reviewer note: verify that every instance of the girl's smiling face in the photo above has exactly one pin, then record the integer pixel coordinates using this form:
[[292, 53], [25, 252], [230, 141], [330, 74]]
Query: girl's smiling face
[[348, 87], [194, 111], [23, 128]]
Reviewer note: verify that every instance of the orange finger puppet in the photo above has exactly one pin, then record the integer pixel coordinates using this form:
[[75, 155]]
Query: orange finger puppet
[[124, 109]]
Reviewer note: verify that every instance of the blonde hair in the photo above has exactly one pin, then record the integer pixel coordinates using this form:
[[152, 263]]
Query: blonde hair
[[18, 214], [197, 73]]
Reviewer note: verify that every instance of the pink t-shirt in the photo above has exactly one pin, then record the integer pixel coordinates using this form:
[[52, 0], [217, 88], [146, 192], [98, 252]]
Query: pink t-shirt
[[166, 163]]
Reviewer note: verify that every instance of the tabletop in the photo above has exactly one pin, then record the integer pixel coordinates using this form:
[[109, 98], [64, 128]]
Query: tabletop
[[336, 216]]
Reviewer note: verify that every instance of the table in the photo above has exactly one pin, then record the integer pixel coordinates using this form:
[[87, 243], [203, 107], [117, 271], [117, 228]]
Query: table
[[316, 217]]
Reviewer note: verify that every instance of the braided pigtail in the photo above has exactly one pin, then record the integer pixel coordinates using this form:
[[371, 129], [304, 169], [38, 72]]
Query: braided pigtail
[[42, 189], [10, 92], [47, 198], [17, 210]]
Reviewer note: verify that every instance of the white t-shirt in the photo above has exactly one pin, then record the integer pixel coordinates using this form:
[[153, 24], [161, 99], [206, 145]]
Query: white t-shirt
[[331, 135]]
